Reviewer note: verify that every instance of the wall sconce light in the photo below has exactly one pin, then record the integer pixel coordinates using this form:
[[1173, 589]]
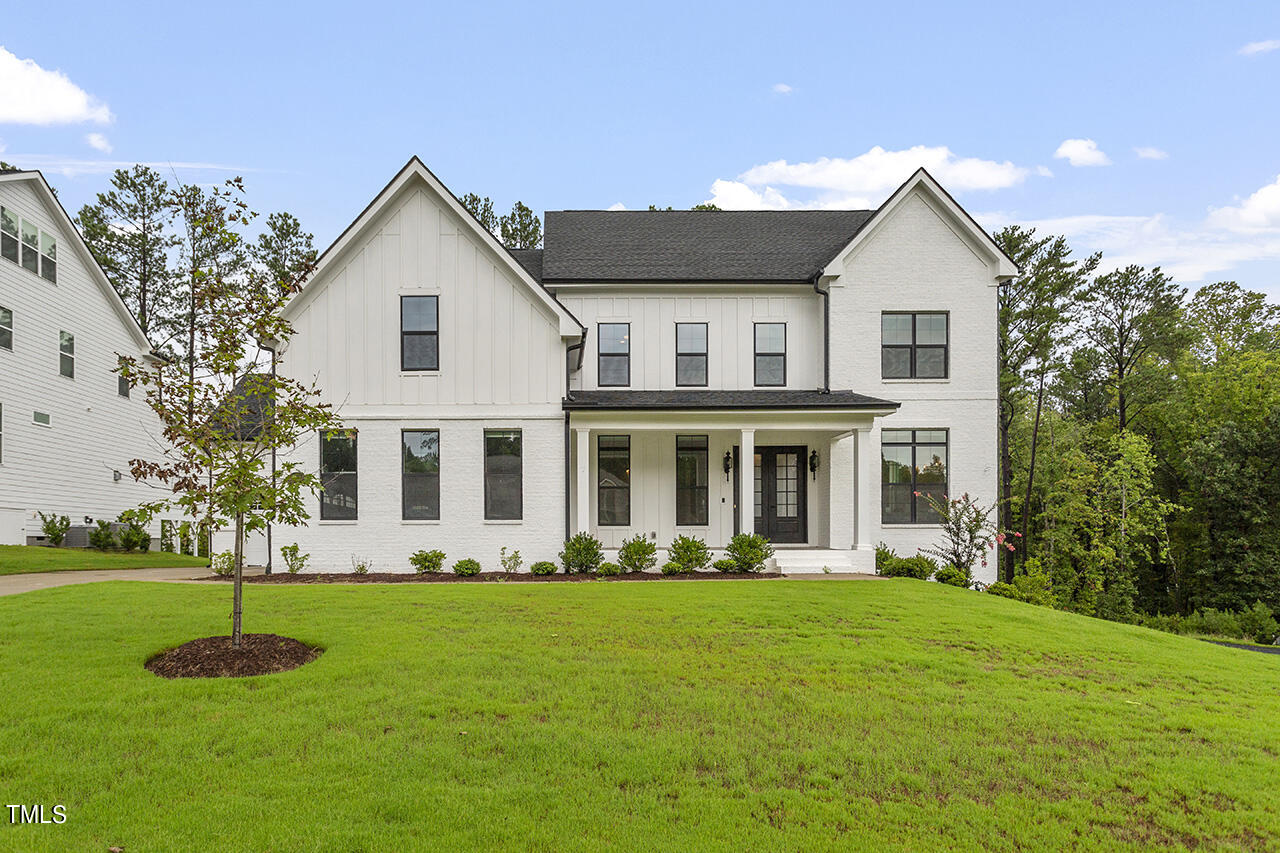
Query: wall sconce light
[[813, 464], [115, 475], [88, 519], [728, 465]]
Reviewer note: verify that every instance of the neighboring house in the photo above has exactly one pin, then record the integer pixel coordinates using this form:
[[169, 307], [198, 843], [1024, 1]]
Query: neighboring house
[[69, 425], [801, 374]]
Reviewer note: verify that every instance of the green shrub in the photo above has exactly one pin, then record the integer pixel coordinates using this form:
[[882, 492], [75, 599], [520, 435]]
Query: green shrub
[[690, 553], [102, 537], [953, 576], [361, 565], [203, 540], [884, 554], [749, 552], [1035, 587], [466, 567], [1259, 624], [1005, 590], [294, 560], [672, 568], [543, 567], [54, 528], [134, 535], [427, 562], [166, 536], [919, 567], [224, 564], [582, 554], [724, 564], [1221, 623], [510, 562], [637, 554], [608, 570]]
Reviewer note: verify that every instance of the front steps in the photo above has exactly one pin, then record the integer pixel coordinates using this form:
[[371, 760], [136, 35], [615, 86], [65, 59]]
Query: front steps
[[797, 561]]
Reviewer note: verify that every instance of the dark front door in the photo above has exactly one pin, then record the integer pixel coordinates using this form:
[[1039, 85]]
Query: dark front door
[[780, 500]]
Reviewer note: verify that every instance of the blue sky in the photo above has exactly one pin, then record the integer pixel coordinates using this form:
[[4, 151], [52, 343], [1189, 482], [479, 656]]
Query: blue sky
[[1027, 113]]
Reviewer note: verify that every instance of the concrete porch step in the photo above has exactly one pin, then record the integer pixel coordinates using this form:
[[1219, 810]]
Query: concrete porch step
[[801, 561]]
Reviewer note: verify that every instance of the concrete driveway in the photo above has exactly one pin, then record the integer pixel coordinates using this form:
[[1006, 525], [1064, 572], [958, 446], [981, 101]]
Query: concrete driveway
[[14, 584]]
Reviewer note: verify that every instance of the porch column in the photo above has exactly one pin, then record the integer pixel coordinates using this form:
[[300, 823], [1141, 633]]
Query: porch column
[[584, 480], [747, 482], [842, 486], [868, 532]]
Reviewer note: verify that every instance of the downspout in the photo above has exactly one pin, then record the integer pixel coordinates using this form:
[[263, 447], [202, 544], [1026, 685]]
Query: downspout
[[271, 348], [826, 332], [580, 346]]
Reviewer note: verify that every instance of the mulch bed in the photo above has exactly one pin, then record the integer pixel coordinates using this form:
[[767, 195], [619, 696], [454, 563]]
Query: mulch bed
[[485, 577], [214, 657]]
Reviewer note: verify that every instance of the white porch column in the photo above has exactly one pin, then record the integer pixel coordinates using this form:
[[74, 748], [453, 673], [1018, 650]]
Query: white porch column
[[584, 480], [747, 482], [842, 481], [868, 531]]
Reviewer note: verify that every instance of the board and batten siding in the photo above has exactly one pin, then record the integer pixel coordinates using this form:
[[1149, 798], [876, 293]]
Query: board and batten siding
[[729, 315], [67, 467]]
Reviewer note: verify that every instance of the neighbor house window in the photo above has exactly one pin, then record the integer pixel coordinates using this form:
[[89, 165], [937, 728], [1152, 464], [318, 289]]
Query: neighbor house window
[[48, 257], [420, 474], [338, 478], [613, 464], [6, 328], [771, 353], [615, 354], [913, 467], [913, 346], [23, 242], [691, 480], [30, 247], [8, 235], [419, 333], [691, 353], [41, 418], [67, 354], [122, 384], [503, 475]]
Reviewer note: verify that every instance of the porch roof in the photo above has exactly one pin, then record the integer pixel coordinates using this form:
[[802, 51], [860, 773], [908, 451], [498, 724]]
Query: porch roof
[[754, 399]]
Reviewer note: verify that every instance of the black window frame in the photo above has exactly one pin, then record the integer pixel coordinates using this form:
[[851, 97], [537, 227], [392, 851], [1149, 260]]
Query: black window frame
[[704, 355], [915, 346], [6, 329], [405, 334], [488, 511], [757, 354], [426, 475], [602, 487], [691, 448], [327, 476], [919, 509], [601, 355]]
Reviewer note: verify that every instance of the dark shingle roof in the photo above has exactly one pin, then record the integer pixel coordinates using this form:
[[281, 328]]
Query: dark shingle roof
[[694, 245], [530, 259], [752, 399], [248, 408]]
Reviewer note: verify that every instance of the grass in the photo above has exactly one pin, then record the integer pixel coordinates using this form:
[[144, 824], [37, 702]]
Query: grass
[[757, 715], [17, 559]]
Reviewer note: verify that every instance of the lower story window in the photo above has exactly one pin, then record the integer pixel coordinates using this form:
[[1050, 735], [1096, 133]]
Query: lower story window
[[913, 467], [613, 463], [420, 474], [503, 475], [338, 477], [691, 480]]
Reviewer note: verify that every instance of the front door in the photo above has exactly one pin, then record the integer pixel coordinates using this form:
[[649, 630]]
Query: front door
[[779, 494]]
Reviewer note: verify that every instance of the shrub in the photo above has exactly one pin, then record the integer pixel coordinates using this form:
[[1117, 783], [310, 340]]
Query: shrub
[[203, 543], [1259, 623], [361, 565], [952, 576], [582, 554], [883, 555], [102, 537], [466, 567], [294, 560], [54, 528], [967, 531], [224, 564], [543, 567], [724, 564], [1035, 587], [671, 568], [749, 552], [184, 537], [919, 567], [690, 554], [1222, 623], [1005, 590], [166, 536], [637, 554], [608, 570], [134, 535], [510, 562], [427, 562]]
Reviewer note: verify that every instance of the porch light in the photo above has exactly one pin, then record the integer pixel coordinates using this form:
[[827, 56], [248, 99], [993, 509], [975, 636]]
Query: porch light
[[728, 465], [813, 464]]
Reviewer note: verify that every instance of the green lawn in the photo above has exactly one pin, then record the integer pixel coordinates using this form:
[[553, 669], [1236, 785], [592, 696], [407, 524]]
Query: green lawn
[[16, 559], [754, 715]]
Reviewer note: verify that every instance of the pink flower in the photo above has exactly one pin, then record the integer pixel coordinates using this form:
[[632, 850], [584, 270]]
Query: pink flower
[[1019, 535]]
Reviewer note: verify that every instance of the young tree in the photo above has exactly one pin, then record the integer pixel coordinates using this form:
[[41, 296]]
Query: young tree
[[285, 251], [482, 210], [521, 228]]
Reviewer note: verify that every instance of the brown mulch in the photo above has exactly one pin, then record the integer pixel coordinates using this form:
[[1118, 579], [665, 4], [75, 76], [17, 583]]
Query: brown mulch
[[484, 577], [214, 657]]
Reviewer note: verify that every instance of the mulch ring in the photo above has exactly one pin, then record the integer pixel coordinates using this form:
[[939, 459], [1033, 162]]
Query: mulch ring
[[214, 657], [486, 577]]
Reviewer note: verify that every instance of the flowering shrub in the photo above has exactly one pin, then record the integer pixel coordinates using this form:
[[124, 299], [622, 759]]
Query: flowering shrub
[[967, 531]]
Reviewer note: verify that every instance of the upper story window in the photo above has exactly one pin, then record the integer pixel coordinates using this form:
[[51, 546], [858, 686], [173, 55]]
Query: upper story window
[[691, 354], [23, 242], [913, 346], [419, 333], [913, 467], [420, 483], [613, 496], [503, 475], [615, 354], [339, 483], [771, 353], [122, 384], [67, 354], [6, 328]]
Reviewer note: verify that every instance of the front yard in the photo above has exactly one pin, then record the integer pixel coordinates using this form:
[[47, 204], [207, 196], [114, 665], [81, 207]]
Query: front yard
[[785, 715], [19, 559]]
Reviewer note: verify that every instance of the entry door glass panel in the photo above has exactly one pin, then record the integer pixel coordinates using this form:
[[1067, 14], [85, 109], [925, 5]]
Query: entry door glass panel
[[759, 490], [787, 488]]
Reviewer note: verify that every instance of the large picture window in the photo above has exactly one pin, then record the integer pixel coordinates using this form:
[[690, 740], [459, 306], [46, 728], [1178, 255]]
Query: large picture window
[[691, 480], [67, 354], [419, 333], [771, 353], [420, 474], [615, 354], [691, 354], [503, 475], [613, 464], [912, 461], [913, 346], [338, 478]]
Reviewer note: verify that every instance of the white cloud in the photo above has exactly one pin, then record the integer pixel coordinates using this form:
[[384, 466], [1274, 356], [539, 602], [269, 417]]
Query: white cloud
[[1259, 212], [1044, 171], [98, 142], [33, 95], [1081, 152], [1147, 152], [782, 89], [71, 166], [1253, 48], [617, 205]]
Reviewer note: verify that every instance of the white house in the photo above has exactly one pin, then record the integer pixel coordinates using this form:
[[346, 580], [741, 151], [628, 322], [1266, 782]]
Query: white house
[[796, 373], [68, 425]]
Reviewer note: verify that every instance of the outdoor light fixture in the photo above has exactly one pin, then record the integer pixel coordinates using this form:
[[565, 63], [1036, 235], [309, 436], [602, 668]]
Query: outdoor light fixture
[[813, 464], [728, 465], [115, 475]]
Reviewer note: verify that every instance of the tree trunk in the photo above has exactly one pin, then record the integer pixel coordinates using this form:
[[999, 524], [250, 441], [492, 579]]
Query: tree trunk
[[1031, 473], [1006, 491], [237, 598]]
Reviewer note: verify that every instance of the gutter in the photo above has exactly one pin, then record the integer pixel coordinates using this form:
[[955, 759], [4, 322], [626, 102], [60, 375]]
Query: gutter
[[581, 347], [826, 332]]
